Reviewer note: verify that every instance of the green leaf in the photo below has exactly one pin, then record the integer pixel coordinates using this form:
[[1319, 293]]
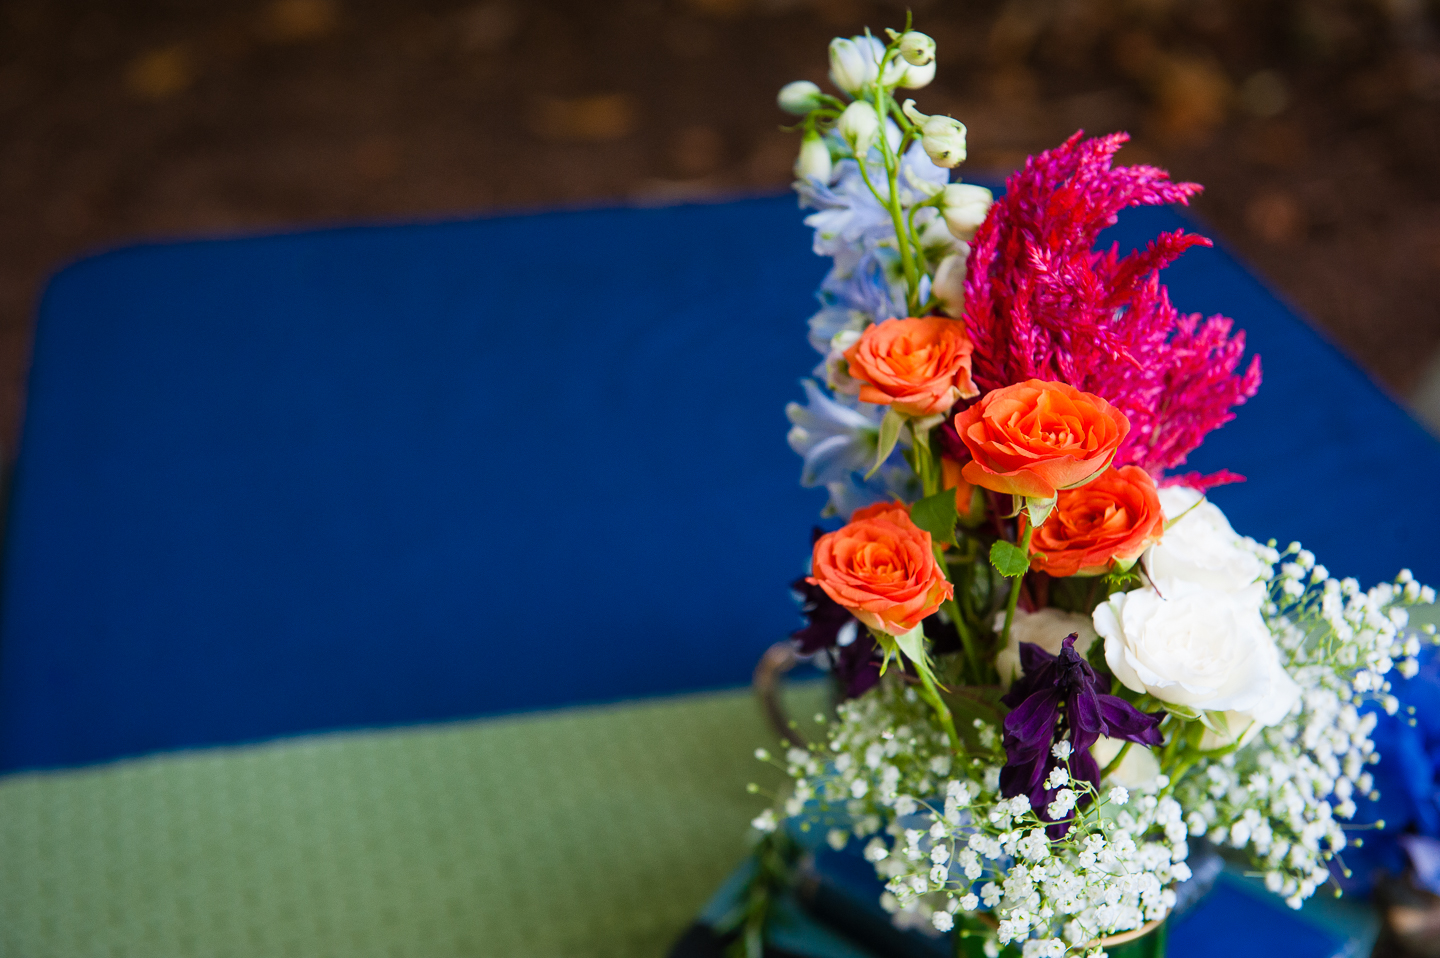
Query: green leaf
[[912, 643], [1215, 722], [1008, 559], [1181, 711], [889, 436], [1039, 510], [937, 515], [970, 702]]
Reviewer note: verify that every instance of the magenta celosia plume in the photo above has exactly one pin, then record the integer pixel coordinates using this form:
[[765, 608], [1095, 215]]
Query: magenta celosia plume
[[1042, 303]]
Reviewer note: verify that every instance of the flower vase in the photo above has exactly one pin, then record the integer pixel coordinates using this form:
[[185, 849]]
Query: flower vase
[[1147, 942]]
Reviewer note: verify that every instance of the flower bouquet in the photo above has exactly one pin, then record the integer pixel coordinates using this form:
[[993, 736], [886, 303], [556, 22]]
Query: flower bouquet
[[1059, 663]]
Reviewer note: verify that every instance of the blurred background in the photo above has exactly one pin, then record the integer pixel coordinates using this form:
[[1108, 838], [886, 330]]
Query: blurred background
[[1314, 124]]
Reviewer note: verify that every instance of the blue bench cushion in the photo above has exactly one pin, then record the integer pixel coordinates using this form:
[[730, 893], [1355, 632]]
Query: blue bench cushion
[[371, 476]]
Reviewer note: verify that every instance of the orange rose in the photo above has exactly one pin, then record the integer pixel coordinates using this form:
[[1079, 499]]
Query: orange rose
[[880, 509], [1102, 525], [919, 366], [882, 569], [1035, 438]]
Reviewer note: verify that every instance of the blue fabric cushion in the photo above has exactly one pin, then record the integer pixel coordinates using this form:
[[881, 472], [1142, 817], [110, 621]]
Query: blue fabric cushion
[[372, 476]]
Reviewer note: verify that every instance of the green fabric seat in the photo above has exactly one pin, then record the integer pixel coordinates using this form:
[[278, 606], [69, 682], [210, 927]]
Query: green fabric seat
[[583, 832]]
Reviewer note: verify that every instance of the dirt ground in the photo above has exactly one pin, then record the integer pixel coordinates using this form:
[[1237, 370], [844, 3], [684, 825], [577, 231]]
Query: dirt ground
[[1315, 125]]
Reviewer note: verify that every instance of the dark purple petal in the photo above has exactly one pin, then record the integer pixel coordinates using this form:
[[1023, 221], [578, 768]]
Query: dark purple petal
[[826, 618], [1034, 658], [1060, 697], [1084, 768], [950, 443], [1036, 673], [1033, 720], [857, 665], [1083, 711], [1125, 721]]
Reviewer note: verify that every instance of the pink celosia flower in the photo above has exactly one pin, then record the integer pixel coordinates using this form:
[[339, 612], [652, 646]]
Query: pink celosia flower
[[1041, 303]]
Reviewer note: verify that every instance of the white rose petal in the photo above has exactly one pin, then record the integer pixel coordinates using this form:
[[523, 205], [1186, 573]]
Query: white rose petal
[[1204, 649], [1200, 550], [1047, 629], [1139, 767]]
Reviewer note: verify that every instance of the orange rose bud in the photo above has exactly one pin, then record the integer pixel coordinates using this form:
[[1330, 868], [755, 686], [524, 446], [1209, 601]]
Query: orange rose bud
[[882, 569], [920, 367], [1100, 526], [1035, 438]]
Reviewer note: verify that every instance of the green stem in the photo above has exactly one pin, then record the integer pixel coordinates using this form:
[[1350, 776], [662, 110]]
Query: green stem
[[967, 640], [924, 462], [942, 711], [1015, 587], [892, 201]]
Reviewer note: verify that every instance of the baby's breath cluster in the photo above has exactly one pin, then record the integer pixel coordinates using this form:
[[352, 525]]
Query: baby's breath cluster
[[1282, 797], [954, 853]]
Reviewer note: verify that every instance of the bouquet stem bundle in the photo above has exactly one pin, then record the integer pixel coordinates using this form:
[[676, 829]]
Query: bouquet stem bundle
[[1059, 662]]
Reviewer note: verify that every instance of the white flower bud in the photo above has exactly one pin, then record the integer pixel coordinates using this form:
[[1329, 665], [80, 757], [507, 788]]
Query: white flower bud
[[964, 207], [813, 163], [799, 97], [949, 284], [913, 77], [917, 48], [859, 125], [852, 65], [942, 137]]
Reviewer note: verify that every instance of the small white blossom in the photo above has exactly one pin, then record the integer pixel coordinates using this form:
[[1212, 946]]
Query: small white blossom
[[858, 126], [799, 97]]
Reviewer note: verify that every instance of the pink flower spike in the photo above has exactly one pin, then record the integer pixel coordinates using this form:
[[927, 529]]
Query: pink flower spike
[[1042, 303], [1202, 483]]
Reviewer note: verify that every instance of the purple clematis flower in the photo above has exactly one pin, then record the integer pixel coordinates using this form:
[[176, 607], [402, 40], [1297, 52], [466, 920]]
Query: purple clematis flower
[[1058, 697]]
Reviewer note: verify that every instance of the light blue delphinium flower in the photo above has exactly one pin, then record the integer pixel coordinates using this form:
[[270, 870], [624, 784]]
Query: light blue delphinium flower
[[849, 215], [835, 440], [892, 481], [866, 283], [839, 440]]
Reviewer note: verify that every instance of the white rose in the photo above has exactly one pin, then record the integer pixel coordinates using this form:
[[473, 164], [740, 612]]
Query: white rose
[[1200, 549], [1047, 629], [1138, 768], [1203, 649]]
